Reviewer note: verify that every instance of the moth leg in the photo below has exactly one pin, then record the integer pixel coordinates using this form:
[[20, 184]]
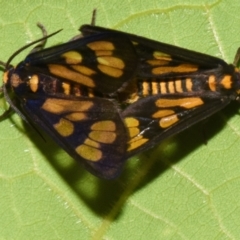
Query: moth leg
[[93, 21], [42, 43], [6, 113], [237, 58]]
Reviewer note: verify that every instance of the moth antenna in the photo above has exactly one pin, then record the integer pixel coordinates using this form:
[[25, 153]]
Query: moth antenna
[[7, 64]]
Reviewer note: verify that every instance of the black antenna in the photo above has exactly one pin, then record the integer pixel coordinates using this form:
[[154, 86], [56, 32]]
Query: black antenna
[[7, 64]]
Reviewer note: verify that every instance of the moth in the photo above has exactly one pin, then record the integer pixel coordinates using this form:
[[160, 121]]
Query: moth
[[109, 95], [173, 89], [68, 90]]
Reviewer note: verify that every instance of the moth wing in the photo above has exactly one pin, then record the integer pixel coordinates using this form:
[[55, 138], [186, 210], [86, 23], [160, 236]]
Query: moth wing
[[104, 62], [153, 119], [89, 129]]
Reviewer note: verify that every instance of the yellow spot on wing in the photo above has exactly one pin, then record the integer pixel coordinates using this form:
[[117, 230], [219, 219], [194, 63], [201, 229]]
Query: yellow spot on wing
[[69, 74], [113, 72], [131, 122], [136, 142], [76, 116], [181, 102], [103, 53], [133, 131], [111, 61], [168, 121], [179, 69], [59, 106], [89, 153], [64, 127], [101, 45], [103, 131], [103, 136], [156, 62], [104, 126], [84, 70], [72, 57], [162, 56], [163, 113], [92, 143]]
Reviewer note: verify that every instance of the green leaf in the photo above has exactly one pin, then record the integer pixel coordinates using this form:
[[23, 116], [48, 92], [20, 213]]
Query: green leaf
[[181, 189]]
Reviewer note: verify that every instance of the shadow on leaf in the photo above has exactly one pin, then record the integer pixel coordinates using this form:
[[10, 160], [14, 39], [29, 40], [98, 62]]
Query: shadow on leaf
[[103, 195]]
